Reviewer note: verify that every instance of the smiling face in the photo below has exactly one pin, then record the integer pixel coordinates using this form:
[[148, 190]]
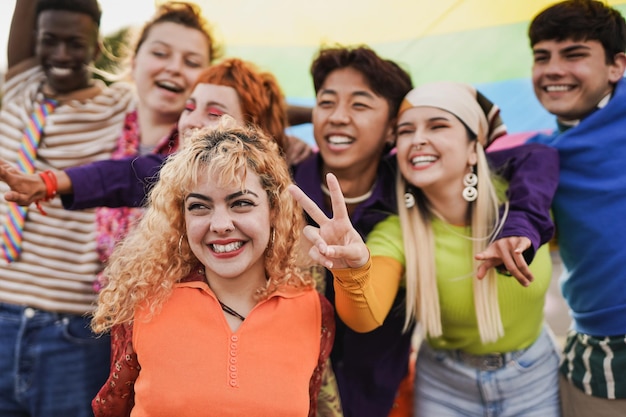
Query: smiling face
[[571, 77], [350, 122], [433, 150], [66, 43], [207, 104], [167, 65], [229, 229]]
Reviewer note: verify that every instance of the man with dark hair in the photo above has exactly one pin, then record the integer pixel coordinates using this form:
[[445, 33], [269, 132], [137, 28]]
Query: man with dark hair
[[51, 364], [90, 8], [579, 62]]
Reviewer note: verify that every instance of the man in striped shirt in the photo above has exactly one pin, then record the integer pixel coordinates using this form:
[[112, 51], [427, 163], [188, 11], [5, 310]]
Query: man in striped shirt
[[50, 362], [579, 62]]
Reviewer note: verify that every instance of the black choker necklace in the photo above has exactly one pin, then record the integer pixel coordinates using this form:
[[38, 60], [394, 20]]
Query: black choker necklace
[[231, 311], [225, 308]]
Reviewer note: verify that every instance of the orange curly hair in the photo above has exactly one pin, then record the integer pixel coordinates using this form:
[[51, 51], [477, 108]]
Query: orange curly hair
[[262, 100]]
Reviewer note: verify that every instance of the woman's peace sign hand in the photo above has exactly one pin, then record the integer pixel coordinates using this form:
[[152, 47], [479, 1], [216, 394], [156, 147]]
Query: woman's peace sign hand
[[335, 244]]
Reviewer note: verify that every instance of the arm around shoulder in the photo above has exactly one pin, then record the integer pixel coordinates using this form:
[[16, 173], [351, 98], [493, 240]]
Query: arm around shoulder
[[532, 171]]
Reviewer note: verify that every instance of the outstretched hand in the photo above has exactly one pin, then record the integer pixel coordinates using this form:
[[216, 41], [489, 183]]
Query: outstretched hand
[[508, 253], [25, 188], [335, 243]]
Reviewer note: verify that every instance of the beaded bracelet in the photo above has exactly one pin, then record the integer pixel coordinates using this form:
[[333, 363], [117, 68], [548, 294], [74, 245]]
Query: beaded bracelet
[[50, 179]]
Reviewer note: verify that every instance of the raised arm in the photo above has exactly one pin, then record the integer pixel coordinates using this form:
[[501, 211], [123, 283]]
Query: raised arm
[[21, 45], [335, 243], [363, 294]]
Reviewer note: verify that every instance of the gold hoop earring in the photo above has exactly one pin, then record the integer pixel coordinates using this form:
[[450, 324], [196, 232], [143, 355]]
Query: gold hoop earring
[[180, 245], [270, 245]]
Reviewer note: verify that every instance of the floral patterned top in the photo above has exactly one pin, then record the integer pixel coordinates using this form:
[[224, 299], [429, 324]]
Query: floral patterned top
[[113, 224]]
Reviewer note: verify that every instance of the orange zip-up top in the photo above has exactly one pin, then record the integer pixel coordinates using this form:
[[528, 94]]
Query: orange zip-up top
[[193, 364]]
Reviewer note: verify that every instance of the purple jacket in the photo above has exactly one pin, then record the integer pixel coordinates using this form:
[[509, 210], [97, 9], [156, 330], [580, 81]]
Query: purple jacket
[[532, 171], [113, 183]]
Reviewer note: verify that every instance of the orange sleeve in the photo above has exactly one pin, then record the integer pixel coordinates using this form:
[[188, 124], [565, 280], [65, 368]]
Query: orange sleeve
[[364, 296]]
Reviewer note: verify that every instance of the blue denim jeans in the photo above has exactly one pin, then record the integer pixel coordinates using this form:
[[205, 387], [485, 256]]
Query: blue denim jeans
[[526, 386], [51, 364]]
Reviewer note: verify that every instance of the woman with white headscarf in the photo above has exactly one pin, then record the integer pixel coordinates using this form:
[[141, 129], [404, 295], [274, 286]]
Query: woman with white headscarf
[[486, 350]]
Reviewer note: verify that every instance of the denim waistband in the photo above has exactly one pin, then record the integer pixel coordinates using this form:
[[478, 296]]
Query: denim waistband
[[29, 312], [494, 361], [488, 362]]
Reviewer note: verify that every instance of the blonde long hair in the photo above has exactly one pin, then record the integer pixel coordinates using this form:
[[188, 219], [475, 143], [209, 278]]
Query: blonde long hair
[[421, 275], [483, 125], [146, 265]]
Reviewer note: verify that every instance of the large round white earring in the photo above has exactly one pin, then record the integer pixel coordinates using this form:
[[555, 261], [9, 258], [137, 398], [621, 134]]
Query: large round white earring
[[470, 193], [409, 199]]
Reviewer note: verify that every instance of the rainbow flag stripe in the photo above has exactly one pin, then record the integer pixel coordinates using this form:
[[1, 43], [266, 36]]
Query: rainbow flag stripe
[[13, 226]]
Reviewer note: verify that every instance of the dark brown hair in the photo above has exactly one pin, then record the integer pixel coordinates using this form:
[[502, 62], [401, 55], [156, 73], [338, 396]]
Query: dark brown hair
[[581, 20], [384, 76]]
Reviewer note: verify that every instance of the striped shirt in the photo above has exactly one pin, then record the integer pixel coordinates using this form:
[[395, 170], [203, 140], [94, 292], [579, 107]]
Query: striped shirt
[[596, 365], [59, 261]]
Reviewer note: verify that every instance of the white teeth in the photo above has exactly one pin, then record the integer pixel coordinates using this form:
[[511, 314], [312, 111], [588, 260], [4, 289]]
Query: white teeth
[[60, 72], [340, 140], [423, 159], [227, 248], [170, 86], [559, 88]]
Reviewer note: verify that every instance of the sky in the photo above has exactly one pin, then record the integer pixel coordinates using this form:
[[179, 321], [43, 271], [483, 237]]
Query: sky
[[115, 15]]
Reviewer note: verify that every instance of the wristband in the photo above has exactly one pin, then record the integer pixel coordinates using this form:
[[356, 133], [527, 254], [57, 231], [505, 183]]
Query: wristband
[[50, 180]]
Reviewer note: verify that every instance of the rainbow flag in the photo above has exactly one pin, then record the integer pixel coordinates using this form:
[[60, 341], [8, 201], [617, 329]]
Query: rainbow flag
[[482, 42]]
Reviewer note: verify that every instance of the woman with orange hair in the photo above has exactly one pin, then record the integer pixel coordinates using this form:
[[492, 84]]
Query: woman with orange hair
[[237, 88]]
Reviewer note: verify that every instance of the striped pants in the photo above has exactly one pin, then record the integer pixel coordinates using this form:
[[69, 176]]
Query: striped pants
[[593, 376]]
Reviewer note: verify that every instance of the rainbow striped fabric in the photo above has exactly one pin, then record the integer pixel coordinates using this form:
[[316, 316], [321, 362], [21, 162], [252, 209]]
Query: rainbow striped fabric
[[480, 42], [11, 235]]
